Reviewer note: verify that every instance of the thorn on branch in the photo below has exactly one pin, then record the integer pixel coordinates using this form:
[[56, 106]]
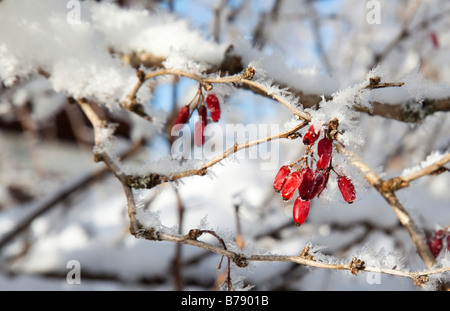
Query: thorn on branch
[[194, 234], [306, 255], [248, 73], [440, 171], [137, 108], [421, 280], [294, 135], [375, 83], [394, 184], [140, 75], [98, 157], [241, 261], [202, 171], [143, 182], [71, 100], [147, 234], [356, 265]]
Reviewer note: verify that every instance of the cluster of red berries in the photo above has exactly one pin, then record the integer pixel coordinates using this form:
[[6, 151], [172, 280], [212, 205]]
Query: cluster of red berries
[[184, 114], [435, 241], [311, 182]]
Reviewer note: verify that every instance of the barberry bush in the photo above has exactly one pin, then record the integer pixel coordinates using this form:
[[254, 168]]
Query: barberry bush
[[303, 143]]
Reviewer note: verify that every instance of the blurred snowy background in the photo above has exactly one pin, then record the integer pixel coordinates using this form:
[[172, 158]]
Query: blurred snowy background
[[61, 206]]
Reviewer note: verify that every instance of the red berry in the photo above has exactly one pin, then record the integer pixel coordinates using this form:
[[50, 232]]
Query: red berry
[[307, 184], [324, 151], [214, 106], [281, 177], [435, 245], [199, 137], [435, 242], [301, 210], [311, 136], [202, 114], [324, 161], [324, 146], [293, 181], [182, 116], [439, 234], [347, 189], [319, 182]]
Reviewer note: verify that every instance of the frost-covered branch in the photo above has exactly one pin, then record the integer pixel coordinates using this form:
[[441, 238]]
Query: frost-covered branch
[[304, 258], [403, 181], [152, 180], [417, 234], [103, 155], [245, 78], [396, 111]]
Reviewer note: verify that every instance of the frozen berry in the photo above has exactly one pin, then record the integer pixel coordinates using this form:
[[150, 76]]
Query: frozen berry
[[319, 183], [182, 117], [347, 189], [293, 181], [307, 184], [324, 161], [324, 146], [439, 234], [202, 114], [435, 244], [310, 136], [212, 101], [324, 151], [281, 177], [300, 211], [199, 137]]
